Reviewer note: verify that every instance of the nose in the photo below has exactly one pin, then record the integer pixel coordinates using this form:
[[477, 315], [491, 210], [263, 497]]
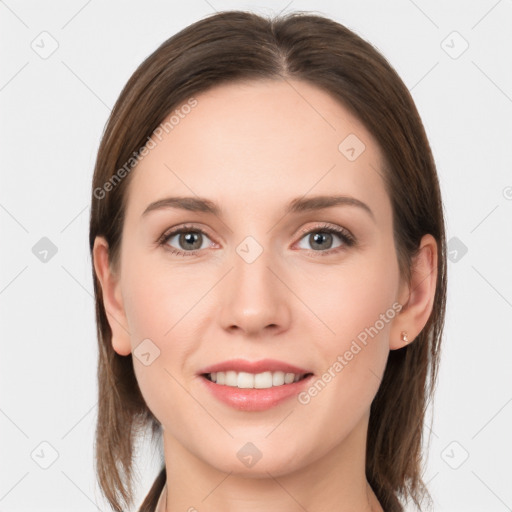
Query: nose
[[255, 300]]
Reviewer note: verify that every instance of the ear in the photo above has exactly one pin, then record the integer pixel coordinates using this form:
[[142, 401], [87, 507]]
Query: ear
[[416, 297], [112, 298]]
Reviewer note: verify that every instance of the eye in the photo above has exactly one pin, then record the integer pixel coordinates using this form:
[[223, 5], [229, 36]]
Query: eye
[[189, 240], [321, 239]]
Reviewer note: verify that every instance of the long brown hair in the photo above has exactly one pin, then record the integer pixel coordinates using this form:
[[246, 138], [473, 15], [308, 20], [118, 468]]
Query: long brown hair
[[236, 45]]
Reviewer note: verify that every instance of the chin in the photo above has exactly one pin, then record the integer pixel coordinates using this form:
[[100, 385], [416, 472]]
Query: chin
[[250, 461]]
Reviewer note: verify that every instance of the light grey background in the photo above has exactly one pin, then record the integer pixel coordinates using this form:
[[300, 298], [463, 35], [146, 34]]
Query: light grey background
[[53, 110]]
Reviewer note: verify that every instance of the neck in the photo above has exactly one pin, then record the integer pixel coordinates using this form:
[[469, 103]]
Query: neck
[[334, 481]]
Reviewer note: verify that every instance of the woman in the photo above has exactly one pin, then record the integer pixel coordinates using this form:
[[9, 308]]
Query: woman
[[270, 275]]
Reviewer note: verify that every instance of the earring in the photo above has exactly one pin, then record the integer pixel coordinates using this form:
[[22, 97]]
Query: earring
[[405, 339]]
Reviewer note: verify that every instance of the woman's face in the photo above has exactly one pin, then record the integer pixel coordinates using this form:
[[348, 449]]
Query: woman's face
[[265, 279]]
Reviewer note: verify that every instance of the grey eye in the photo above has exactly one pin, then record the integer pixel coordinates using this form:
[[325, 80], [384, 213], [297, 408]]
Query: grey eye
[[188, 240], [321, 239]]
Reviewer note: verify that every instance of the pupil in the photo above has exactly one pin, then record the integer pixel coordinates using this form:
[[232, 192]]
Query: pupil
[[190, 238], [319, 237]]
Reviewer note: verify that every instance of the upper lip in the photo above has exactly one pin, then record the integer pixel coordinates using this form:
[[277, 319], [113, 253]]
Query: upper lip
[[263, 365]]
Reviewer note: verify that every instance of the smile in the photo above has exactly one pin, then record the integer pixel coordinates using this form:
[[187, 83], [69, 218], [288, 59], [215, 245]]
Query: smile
[[247, 380]]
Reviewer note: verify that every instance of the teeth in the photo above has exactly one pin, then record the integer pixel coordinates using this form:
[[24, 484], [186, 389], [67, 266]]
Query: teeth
[[255, 381]]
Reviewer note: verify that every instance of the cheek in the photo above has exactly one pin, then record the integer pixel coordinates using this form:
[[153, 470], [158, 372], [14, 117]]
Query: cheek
[[156, 305], [157, 298], [350, 298], [355, 311], [161, 305]]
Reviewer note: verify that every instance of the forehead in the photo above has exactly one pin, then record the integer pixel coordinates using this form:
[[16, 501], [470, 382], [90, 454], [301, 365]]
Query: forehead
[[260, 141]]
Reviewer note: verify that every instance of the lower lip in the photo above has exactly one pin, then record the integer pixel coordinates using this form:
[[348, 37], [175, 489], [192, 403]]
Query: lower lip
[[245, 399]]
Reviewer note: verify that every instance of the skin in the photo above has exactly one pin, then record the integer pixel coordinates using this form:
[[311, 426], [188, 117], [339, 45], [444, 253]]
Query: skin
[[252, 148]]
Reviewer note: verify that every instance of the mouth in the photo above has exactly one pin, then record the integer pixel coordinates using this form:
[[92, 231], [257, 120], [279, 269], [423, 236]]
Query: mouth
[[254, 385], [263, 380]]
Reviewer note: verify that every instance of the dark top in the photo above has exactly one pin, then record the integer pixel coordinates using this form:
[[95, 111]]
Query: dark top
[[150, 502]]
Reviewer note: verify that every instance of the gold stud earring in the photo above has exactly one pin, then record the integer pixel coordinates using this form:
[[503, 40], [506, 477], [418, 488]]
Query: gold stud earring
[[405, 339]]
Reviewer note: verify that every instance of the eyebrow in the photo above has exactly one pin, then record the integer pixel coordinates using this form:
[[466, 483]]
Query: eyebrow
[[297, 205]]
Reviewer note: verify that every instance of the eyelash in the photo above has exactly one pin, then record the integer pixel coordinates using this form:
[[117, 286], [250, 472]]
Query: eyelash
[[347, 238]]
